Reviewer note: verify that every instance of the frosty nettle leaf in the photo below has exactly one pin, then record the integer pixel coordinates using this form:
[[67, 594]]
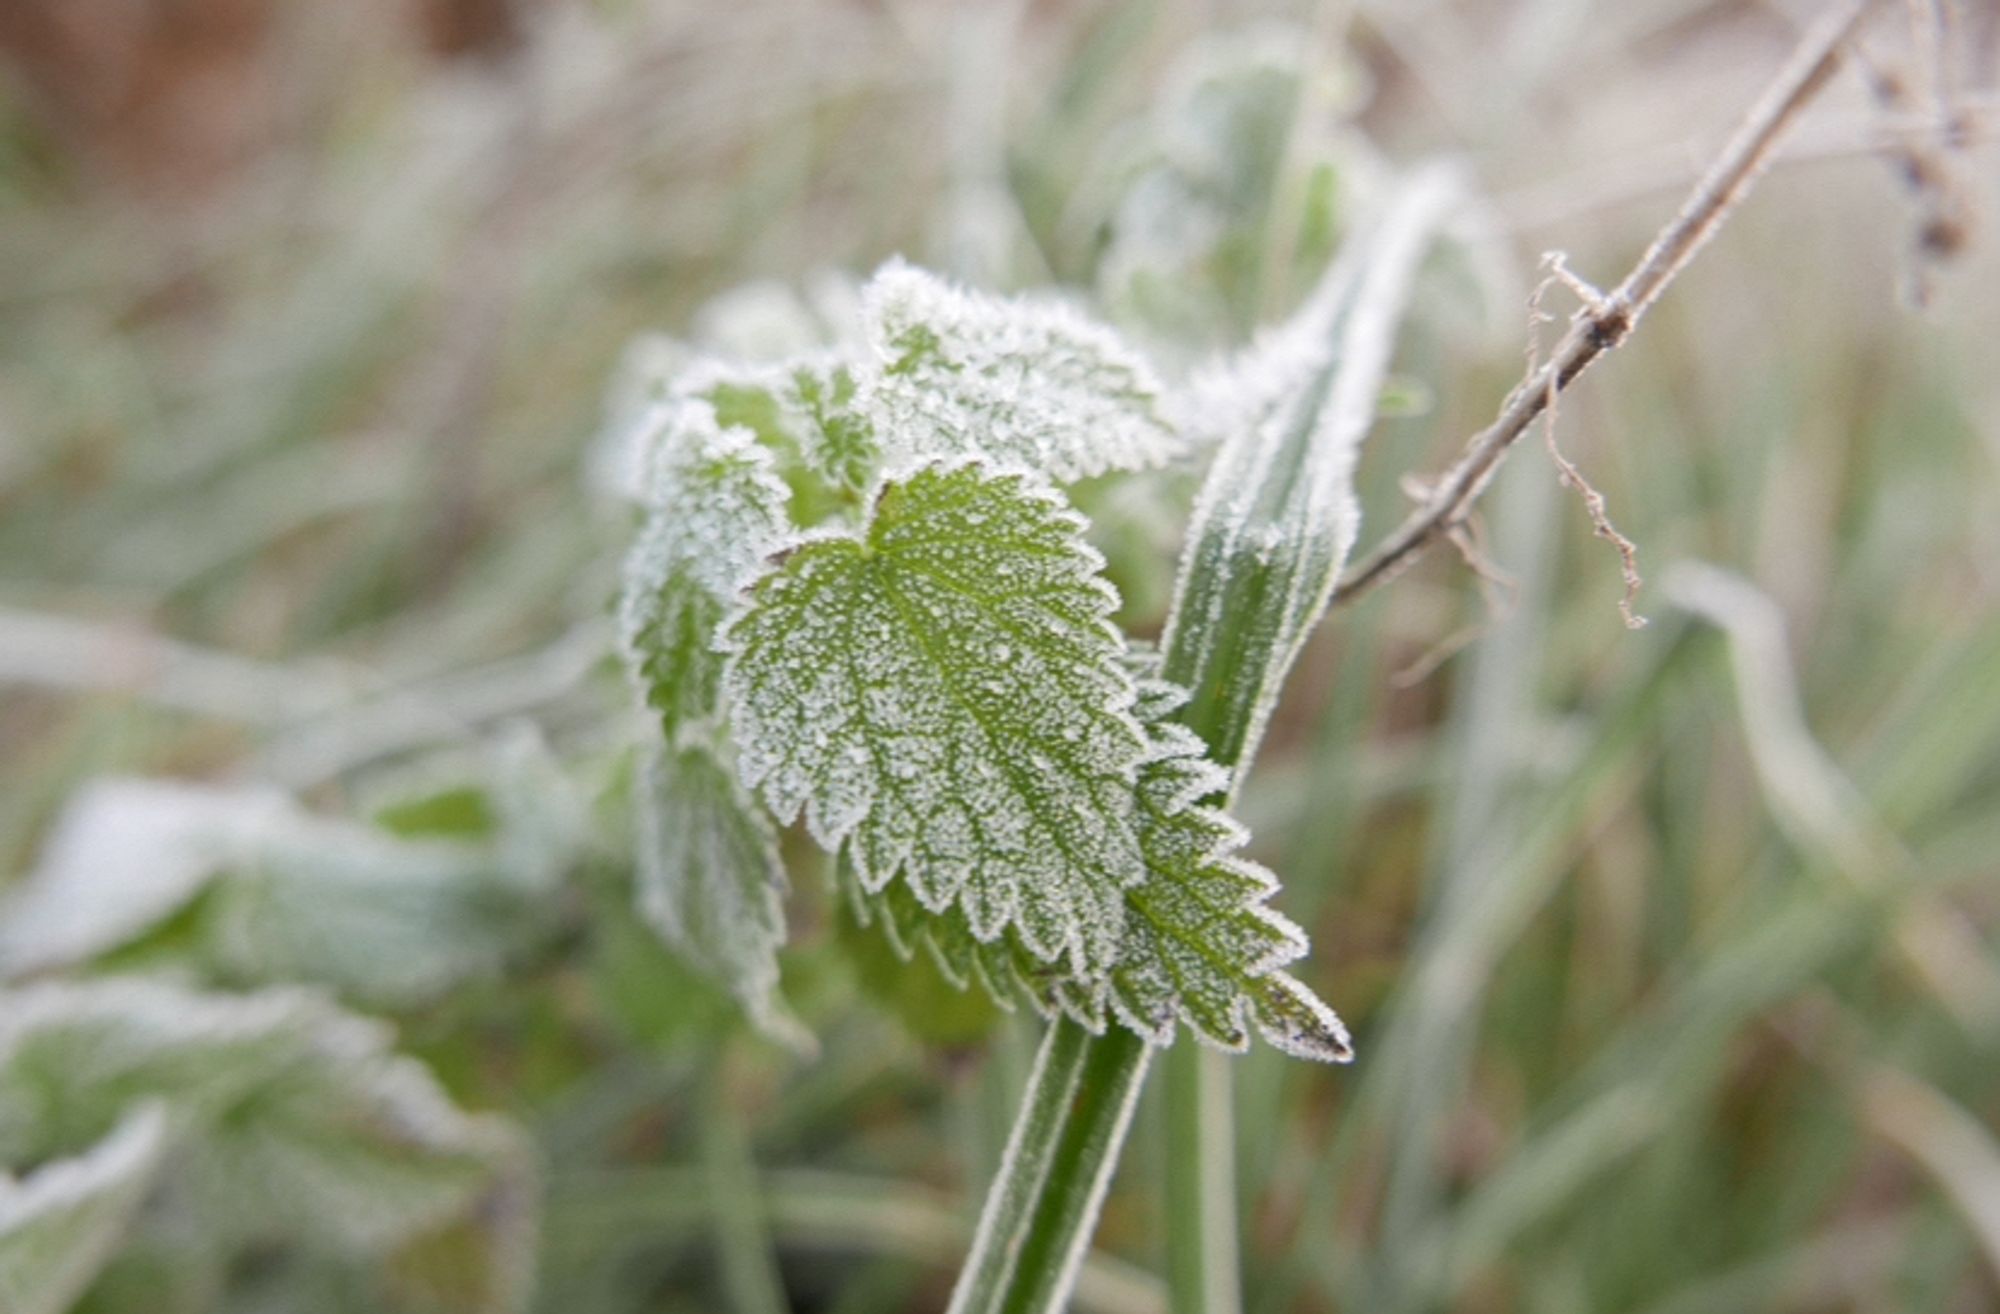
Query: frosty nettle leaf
[[1035, 384], [945, 694], [64, 1221], [284, 894], [300, 1125], [717, 507], [711, 881], [1199, 945]]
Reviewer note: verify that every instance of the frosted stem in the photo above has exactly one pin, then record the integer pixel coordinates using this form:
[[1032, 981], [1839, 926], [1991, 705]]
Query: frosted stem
[[1085, 1154], [1024, 1170]]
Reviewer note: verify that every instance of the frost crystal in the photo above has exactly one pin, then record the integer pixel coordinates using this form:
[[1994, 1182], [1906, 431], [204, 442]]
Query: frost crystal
[[711, 881], [963, 374], [717, 507], [946, 695]]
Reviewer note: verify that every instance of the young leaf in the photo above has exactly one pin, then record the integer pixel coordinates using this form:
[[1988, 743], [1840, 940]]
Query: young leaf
[[1277, 515], [1237, 152], [964, 374], [840, 445], [61, 1224], [946, 695], [718, 507], [711, 881]]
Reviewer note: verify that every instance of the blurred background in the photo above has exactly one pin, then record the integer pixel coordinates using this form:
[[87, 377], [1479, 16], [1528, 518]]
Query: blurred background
[[1673, 954]]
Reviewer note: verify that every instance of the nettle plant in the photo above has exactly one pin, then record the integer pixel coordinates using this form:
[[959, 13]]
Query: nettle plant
[[865, 598]]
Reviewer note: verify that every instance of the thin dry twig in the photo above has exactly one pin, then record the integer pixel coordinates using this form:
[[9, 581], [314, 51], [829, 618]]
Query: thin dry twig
[[1598, 330]]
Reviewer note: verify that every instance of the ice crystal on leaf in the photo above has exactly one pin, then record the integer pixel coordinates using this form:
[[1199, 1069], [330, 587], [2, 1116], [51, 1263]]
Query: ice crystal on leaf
[[962, 374], [945, 694], [717, 507], [711, 881]]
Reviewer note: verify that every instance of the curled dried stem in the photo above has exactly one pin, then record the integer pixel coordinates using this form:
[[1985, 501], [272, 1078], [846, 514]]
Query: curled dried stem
[[1567, 471], [1728, 179]]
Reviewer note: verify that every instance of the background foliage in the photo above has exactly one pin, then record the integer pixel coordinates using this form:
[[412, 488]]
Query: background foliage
[[1670, 955]]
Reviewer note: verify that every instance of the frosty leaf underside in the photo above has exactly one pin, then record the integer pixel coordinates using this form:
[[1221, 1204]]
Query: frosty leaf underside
[[946, 696], [711, 881], [717, 505]]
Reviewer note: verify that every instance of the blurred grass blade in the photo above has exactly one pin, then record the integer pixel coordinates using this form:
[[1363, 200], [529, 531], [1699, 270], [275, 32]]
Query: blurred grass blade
[[1954, 1147], [742, 1238], [1814, 800]]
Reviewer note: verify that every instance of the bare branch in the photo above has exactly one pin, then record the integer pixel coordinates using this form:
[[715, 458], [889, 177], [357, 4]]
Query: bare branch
[[1601, 328]]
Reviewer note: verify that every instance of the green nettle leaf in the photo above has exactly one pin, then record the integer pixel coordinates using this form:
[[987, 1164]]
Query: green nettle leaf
[[1019, 382], [298, 1122], [946, 695], [711, 881], [717, 508], [1199, 944], [63, 1222]]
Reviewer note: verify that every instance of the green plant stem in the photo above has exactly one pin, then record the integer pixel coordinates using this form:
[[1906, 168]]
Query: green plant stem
[[1079, 1169], [1025, 1169], [1201, 1229], [1042, 1207]]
